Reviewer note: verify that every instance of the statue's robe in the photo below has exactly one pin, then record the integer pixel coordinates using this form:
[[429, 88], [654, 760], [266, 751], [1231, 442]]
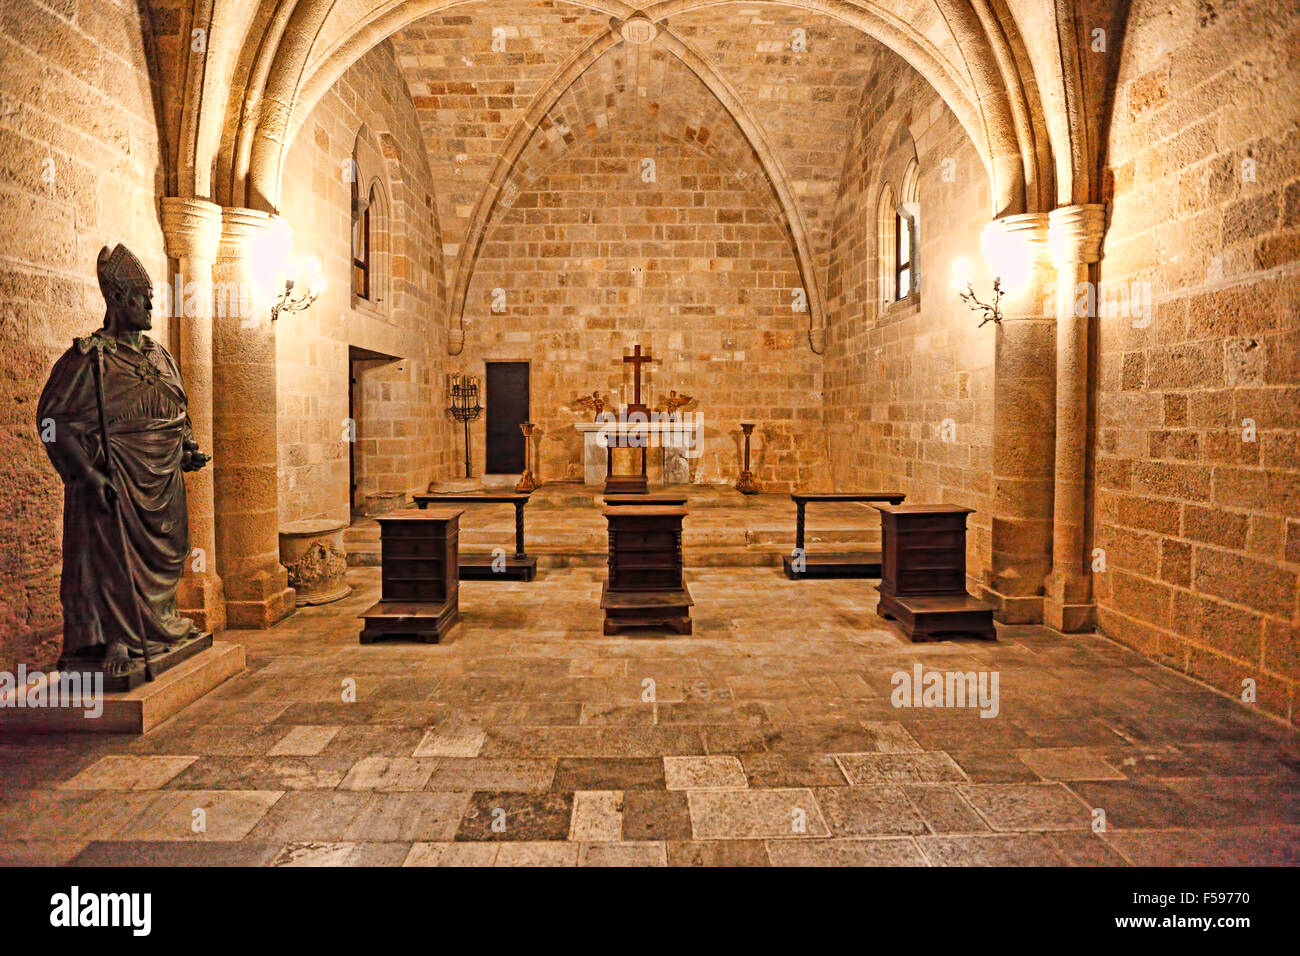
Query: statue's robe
[[105, 571]]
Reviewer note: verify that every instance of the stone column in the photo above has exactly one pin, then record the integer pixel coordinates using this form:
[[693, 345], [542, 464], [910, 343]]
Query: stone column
[[246, 444], [1023, 419], [1074, 237], [192, 229]]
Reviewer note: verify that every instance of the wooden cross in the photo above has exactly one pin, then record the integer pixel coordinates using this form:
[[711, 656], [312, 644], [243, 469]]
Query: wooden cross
[[637, 360]]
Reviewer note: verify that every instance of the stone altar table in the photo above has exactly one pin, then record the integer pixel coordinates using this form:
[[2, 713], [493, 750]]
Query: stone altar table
[[680, 441]]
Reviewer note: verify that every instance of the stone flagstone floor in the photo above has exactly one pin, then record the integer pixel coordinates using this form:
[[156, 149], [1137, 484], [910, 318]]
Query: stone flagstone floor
[[768, 737]]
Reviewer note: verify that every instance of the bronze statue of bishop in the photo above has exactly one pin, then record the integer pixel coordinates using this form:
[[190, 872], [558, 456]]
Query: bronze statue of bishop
[[113, 417]]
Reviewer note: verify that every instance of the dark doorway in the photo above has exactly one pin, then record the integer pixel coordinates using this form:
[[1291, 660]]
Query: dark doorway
[[506, 409], [367, 373]]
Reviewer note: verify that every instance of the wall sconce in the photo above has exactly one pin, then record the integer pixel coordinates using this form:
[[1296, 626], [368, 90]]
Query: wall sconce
[[308, 280], [965, 286]]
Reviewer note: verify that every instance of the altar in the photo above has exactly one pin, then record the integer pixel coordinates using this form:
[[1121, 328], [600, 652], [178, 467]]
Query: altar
[[679, 442]]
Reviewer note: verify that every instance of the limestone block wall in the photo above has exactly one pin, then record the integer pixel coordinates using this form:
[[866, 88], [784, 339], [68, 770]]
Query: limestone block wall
[[1198, 432], [402, 433], [909, 386], [696, 267], [80, 167]]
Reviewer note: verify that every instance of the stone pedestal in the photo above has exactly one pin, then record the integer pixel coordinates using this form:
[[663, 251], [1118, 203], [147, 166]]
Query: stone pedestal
[[316, 559], [137, 711]]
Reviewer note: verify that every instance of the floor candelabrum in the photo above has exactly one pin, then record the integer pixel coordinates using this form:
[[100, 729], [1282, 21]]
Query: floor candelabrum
[[465, 406]]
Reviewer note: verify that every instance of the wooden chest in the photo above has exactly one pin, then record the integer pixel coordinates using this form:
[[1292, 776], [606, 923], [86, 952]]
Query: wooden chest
[[419, 576], [645, 586], [923, 573]]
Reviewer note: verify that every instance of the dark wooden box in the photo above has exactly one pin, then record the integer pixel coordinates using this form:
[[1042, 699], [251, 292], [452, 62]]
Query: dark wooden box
[[419, 576], [646, 587], [923, 573]]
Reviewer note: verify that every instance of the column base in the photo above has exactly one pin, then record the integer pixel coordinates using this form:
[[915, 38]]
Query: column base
[[201, 598], [1068, 605], [1010, 604], [1014, 609], [261, 613]]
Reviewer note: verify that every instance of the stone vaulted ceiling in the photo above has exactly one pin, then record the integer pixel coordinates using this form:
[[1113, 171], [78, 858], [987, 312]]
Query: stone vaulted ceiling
[[477, 104]]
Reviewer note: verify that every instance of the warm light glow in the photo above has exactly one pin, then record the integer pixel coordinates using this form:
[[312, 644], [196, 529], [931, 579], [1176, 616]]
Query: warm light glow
[[308, 275], [269, 251], [961, 274], [1009, 256]]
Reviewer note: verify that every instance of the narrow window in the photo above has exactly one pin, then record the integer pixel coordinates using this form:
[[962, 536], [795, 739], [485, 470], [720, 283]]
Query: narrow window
[[902, 255], [361, 249]]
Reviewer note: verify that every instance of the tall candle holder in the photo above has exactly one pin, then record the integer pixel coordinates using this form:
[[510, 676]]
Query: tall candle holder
[[526, 481], [746, 484], [464, 406]]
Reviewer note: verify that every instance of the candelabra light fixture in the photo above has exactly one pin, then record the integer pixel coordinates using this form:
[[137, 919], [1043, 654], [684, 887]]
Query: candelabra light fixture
[[965, 287], [465, 407], [300, 291]]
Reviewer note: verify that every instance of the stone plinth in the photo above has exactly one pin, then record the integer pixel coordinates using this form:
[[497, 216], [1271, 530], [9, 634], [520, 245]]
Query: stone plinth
[[137, 711], [316, 559], [678, 441]]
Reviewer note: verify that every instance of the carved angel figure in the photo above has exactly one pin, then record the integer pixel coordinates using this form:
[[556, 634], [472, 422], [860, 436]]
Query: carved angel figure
[[593, 402], [675, 401]]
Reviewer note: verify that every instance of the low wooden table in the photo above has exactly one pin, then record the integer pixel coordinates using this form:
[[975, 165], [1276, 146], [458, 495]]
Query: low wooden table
[[419, 579], [519, 566], [923, 584], [645, 587], [864, 564]]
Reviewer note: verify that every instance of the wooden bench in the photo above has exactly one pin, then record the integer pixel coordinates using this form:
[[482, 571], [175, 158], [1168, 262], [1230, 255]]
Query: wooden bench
[[801, 564], [519, 566]]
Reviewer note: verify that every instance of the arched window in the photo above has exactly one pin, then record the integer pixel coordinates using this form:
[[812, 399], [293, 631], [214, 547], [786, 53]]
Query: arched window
[[360, 243], [896, 239], [370, 229], [908, 232], [887, 245]]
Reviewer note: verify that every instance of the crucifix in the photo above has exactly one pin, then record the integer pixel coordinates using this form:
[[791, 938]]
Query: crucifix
[[637, 360], [634, 483]]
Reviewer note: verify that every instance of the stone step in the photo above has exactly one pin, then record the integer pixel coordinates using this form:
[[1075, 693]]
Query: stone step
[[564, 528]]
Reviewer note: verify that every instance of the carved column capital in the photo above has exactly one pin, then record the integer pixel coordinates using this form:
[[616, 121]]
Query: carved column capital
[[1074, 233], [191, 228], [239, 227]]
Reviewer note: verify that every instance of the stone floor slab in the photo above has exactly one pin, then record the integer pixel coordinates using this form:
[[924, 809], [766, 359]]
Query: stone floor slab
[[777, 814], [704, 773], [597, 816], [840, 852], [128, 773]]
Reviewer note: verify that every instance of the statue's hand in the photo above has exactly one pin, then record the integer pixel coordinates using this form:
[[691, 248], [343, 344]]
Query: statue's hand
[[192, 459], [102, 491]]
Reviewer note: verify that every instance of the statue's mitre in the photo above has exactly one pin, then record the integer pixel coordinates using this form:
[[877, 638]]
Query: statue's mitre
[[119, 269]]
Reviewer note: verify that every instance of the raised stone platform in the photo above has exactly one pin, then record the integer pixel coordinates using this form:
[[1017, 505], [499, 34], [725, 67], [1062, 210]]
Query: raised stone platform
[[136, 711], [726, 528]]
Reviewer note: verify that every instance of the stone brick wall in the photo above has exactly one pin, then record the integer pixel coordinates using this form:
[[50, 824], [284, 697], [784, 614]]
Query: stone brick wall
[[696, 267], [909, 386], [403, 435], [1198, 433], [80, 167]]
